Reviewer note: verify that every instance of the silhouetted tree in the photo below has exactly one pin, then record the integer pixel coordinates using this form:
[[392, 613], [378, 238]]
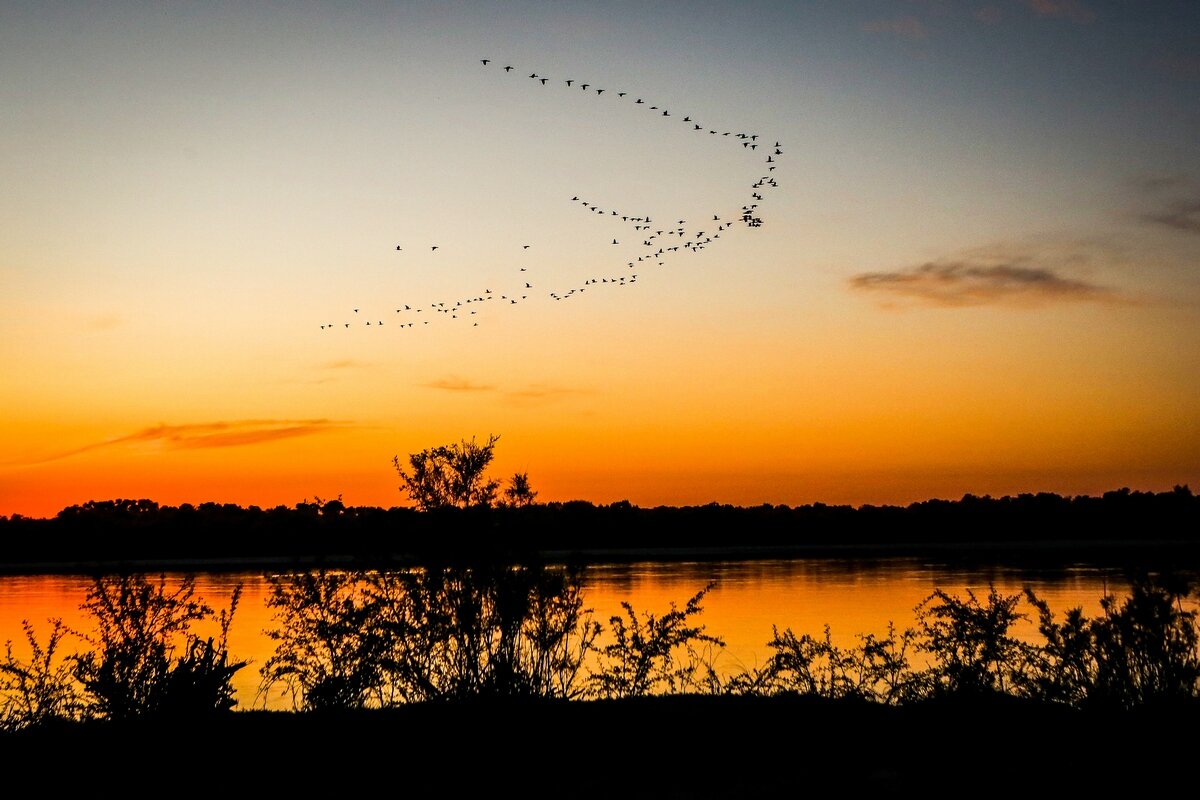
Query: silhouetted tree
[[518, 492], [450, 476]]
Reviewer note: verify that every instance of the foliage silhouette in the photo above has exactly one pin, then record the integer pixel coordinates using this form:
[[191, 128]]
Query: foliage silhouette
[[1139, 652], [519, 493], [379, 638], [450, 476], [656, 654], [971, 644], [44, 689], [328, 656], [877, 670], [146, 659]]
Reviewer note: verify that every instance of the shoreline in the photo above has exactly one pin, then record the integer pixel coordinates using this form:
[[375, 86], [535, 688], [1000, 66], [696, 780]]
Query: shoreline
[[1155, 554]]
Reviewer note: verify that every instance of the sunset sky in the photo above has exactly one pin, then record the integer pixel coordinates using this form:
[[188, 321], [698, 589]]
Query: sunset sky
[[977, 269]]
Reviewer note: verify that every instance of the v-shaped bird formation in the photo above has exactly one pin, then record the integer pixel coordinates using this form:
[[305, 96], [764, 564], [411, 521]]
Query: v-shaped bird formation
[[653, 242]]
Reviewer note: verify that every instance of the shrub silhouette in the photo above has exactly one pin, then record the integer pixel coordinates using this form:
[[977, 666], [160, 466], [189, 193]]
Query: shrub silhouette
[[43, 690], [970, 643], [654, 654], [133, 668], [1138, 652], [877, 670], [328, 654], [375, 639]]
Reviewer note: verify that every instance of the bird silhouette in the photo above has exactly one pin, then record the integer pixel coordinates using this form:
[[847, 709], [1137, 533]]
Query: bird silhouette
[[656, 253]]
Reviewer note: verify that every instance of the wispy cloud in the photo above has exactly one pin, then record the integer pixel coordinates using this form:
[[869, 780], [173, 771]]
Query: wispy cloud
[[907, 27], [1074, 10], [967, 282], [197, 436], [345, 363], [533, 392], [329, 371], [1177, 199], [1182, 215], [456, 384], [1159, 181], [541, 391]]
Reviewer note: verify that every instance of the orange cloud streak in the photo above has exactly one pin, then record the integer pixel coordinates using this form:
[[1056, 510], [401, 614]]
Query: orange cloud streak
[[209, 434]]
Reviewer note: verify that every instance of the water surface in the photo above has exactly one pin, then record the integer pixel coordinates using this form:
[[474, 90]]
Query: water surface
[[747, 599]]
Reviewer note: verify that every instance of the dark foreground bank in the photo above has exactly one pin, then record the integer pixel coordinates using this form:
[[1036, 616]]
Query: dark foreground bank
[[676, 746]]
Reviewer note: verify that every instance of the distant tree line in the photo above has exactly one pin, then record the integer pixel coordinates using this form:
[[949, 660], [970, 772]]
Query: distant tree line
[[329, 531], [379, 639]]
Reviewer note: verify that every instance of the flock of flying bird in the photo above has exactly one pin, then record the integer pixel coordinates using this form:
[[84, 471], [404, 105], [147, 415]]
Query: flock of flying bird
[[658, 241]]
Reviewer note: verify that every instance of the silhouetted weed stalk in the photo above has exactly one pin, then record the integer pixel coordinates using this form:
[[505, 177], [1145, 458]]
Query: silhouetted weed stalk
[[142, 657], [368, 639]]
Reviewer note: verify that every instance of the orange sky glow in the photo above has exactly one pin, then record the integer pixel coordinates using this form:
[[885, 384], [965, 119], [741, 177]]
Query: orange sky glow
[[974, 273]]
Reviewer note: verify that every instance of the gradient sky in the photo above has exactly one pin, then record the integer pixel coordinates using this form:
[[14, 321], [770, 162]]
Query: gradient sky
[[978, 269]]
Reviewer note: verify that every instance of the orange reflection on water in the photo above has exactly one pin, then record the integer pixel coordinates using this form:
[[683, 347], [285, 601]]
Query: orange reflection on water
[[746, 600]]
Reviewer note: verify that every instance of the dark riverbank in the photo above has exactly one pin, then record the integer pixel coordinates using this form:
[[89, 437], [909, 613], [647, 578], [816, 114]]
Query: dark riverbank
[[1121, 527], [652, 747]]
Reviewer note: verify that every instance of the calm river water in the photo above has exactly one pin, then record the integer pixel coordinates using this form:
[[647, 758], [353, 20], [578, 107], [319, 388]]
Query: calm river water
[[748, 598]]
